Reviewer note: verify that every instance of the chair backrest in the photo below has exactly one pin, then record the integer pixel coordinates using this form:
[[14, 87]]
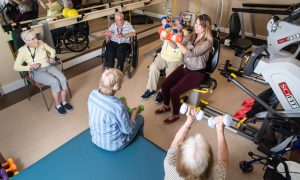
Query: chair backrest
[[234, 26], [213, 59]]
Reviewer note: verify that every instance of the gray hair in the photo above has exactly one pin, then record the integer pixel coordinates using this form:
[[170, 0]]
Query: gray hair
[[119, 14], [195, 158], [111, 81], [27, 36]]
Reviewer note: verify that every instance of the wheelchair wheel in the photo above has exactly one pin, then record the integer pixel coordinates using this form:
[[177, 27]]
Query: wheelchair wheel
[[246, 167], [103, 55], [76, 39], [135, 53]]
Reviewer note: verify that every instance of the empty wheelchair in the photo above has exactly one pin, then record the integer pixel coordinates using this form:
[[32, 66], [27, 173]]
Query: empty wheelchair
[[75, 37], [131, 59]]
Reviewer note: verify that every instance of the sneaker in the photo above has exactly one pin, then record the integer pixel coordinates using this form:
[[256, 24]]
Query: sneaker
[[61, 110], [159, 97], [147, 95], [67, 106]]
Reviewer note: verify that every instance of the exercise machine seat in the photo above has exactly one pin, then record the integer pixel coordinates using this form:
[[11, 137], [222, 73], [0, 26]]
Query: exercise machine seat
[[241, 43], [234, 31]]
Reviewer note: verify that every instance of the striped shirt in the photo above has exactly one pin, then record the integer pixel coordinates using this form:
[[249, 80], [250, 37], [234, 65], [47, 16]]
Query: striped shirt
[[125, 29], [218, 172], [109, 121]]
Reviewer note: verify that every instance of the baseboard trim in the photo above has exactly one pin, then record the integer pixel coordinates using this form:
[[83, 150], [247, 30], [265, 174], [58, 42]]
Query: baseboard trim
[[13, 86]]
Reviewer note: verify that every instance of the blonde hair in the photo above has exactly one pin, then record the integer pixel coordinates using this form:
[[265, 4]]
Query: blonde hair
[[194, 159], [27, 35], [205, 23], [111, 81]]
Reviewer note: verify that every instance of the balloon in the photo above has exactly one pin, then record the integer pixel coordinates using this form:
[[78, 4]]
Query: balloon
[[65, 12], [72, 13]]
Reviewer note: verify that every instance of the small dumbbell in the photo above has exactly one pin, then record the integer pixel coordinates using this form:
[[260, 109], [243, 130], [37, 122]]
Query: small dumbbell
[[227, 119], [184, 108], [140, 106]]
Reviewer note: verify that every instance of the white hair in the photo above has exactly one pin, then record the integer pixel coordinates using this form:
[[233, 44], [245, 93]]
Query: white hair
[[111, 81], [119, 14], [196, 154], [27, 35]]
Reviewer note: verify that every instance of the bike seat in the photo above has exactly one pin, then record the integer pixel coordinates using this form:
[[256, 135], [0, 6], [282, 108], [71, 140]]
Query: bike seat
[[241, 43]]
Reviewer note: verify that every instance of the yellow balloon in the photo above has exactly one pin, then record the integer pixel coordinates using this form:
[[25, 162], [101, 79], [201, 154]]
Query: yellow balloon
[[72, 13], [65, 12]]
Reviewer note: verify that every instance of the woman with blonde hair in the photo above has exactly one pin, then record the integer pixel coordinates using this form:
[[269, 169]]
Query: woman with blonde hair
[[112, 127], [192, 159], [191, 73]]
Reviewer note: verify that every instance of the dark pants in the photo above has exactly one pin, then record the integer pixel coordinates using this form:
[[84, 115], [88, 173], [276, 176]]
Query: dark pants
[[178, 82], [115, 50]]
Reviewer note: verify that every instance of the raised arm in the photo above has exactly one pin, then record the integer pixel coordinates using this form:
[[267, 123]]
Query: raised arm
[[222, 144], [50, 50], [182, 132]]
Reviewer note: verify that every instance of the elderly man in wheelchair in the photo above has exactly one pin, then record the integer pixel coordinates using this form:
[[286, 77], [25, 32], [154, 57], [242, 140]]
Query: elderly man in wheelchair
[[118, 42]]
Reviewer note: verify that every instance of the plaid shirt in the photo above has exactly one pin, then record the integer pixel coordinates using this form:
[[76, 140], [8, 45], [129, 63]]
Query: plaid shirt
[[109, 121], [125, 29]]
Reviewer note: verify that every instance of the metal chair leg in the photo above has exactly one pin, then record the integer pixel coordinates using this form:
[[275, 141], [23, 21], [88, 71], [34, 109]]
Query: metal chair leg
[[47, 106], [70, 94], [1, 94], [27, 89]]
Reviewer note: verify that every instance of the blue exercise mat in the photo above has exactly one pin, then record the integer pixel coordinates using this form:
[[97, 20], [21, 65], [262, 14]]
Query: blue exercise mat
[[81, 159]]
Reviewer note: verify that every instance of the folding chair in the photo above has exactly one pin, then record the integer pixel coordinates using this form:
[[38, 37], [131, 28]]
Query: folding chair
[[30, 82]]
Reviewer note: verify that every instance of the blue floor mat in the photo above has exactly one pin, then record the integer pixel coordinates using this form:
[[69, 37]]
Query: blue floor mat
[[81, 159]]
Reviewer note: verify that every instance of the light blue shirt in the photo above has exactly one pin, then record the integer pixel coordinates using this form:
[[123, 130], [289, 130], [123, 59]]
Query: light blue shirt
[[109, 121]]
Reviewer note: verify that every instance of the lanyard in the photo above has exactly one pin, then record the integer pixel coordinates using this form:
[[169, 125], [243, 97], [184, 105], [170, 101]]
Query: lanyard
[[32, 55], [120, 31]]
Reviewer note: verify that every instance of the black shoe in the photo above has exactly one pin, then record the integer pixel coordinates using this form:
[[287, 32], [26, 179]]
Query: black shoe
[[68, 106], [147, 95], [61, 110], [159, 97]]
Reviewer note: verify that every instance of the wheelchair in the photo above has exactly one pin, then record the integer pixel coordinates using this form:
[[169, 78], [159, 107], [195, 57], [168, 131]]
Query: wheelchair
[[75, 37], [131, 59], [272, 159]]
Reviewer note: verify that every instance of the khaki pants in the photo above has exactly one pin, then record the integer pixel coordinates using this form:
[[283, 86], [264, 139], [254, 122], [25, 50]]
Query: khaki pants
[[154, 71]]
